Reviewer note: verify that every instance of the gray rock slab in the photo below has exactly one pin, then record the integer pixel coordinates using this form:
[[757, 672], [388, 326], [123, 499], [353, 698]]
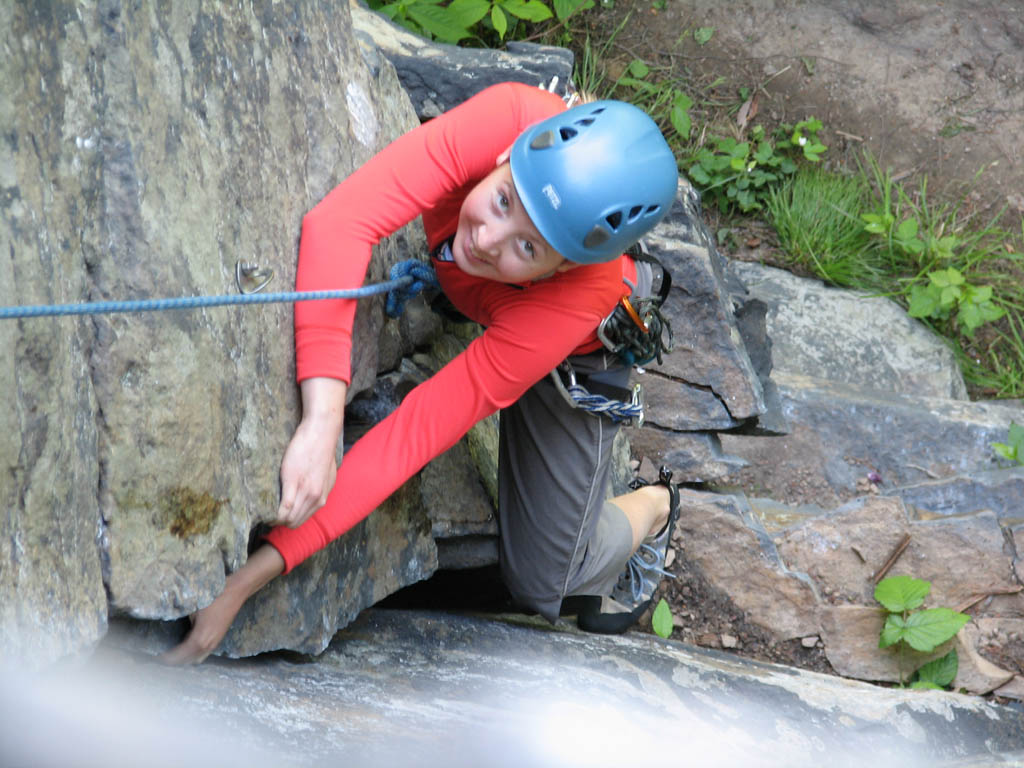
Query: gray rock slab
[[410, 688], [438, 76], [1000, 490], [839, 434], [850, 337]]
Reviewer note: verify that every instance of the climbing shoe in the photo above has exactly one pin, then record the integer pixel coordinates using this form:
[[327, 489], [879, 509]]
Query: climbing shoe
[[615, 613]]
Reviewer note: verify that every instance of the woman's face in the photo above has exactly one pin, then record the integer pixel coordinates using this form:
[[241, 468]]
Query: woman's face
[[496, 239]]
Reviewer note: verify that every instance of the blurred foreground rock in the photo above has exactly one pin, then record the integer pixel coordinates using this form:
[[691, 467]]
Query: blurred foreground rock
[[408, 688]]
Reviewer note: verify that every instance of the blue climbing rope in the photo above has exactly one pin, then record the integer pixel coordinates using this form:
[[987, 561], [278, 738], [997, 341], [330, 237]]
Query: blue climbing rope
[[407, 279]]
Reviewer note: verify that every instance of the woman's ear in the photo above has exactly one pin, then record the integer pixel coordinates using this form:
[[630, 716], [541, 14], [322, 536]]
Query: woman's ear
[[503, 157]]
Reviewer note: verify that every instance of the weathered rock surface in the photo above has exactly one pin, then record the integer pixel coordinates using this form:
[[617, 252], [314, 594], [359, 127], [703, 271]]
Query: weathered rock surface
[[147, 149], [438, 76], [839, 434], [847, 337], [713, 379], [400, 687]]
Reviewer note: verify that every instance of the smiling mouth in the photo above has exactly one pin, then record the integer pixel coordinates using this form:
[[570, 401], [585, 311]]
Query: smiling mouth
[[473, 253]]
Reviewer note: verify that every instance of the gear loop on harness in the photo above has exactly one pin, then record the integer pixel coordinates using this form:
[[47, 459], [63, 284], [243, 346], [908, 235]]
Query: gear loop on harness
[[578, 396]]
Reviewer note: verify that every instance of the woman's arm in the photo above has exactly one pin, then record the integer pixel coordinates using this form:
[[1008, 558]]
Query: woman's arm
[[309, 466], [210, 624]]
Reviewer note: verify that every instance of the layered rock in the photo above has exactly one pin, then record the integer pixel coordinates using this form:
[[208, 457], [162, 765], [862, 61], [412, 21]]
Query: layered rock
[[148, 149]]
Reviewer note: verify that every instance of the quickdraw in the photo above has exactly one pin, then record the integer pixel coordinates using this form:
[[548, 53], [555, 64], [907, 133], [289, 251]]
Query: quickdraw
[[636, 330]]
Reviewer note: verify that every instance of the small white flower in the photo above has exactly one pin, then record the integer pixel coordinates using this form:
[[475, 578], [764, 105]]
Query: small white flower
[[751, 165], [802, 140]]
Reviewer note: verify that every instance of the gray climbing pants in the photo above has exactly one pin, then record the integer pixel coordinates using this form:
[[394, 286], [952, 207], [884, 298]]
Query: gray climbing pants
[[559, 536]]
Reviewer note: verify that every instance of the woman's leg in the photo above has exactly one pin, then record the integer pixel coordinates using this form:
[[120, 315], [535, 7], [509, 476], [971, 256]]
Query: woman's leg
[[646, 509]]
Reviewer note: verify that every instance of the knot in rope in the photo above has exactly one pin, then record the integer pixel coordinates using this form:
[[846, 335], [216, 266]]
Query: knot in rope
[[422, 275]]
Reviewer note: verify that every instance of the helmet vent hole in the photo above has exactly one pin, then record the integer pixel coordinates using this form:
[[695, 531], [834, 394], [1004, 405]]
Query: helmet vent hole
[[543, 140], [614, 220], [585, 121], [635, 211], [595, 238], [567, 133], [598, 111], [652, 209]]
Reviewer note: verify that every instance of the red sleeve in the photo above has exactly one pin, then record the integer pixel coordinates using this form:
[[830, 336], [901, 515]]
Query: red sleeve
[[531, 331], [415, 174]]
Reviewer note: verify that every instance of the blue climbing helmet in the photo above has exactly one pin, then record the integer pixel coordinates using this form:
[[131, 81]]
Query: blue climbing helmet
[[594, 179]]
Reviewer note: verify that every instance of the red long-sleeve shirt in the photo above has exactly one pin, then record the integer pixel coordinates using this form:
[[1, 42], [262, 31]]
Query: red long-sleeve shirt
[[529, 329]]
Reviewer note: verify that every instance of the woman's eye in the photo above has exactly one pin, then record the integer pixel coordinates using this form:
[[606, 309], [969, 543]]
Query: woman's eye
[[528, 248], [502, 201]]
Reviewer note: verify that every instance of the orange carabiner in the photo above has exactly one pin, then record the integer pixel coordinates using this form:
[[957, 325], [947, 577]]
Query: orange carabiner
[[633, 314]]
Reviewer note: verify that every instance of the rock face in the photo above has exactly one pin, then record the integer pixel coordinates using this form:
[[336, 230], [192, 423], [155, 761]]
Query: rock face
[[833, 334], [146, 149], [502, 694]]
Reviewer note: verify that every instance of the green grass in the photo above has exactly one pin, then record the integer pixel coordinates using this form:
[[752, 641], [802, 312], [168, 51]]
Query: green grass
[[816, 215]]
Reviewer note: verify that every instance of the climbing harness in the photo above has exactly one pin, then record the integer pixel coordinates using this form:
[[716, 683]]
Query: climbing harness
[[637, 332], [407, 279], [617, 403]]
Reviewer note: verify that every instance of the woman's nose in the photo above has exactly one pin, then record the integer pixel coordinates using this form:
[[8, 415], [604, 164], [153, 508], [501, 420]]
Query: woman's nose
[[488, 238]]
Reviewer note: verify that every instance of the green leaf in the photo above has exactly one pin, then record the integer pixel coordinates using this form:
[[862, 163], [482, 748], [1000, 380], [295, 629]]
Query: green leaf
[[437, 22], [740, 150], [530, 10], [466, 13], [970, 317], [566, 8], [499, 21], [978, 294], [926, 685], [1016, 435], [907, 229], [926, 630], [941, 671], [902, 593], [661, 620], [946, 277], [923, 302], [699, 175], [1006, 451], [892, 630], [949, 296], [680, 115], [703, 34], [637, 68]]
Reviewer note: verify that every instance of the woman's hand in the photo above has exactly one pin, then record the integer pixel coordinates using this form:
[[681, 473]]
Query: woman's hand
[[309, 468], [210, 624]]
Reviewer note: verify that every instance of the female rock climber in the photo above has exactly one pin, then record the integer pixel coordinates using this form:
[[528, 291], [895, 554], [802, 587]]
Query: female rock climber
[[528, 209]]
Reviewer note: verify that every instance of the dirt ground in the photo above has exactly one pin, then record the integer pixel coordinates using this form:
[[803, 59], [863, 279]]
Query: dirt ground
[[931, 89]]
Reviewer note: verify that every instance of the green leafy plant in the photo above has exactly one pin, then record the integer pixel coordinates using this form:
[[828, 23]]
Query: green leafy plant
[[947, 290], [740, 174], [452, 22], [923, 630], [1013, 450], [657, 98], [661, 619]]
